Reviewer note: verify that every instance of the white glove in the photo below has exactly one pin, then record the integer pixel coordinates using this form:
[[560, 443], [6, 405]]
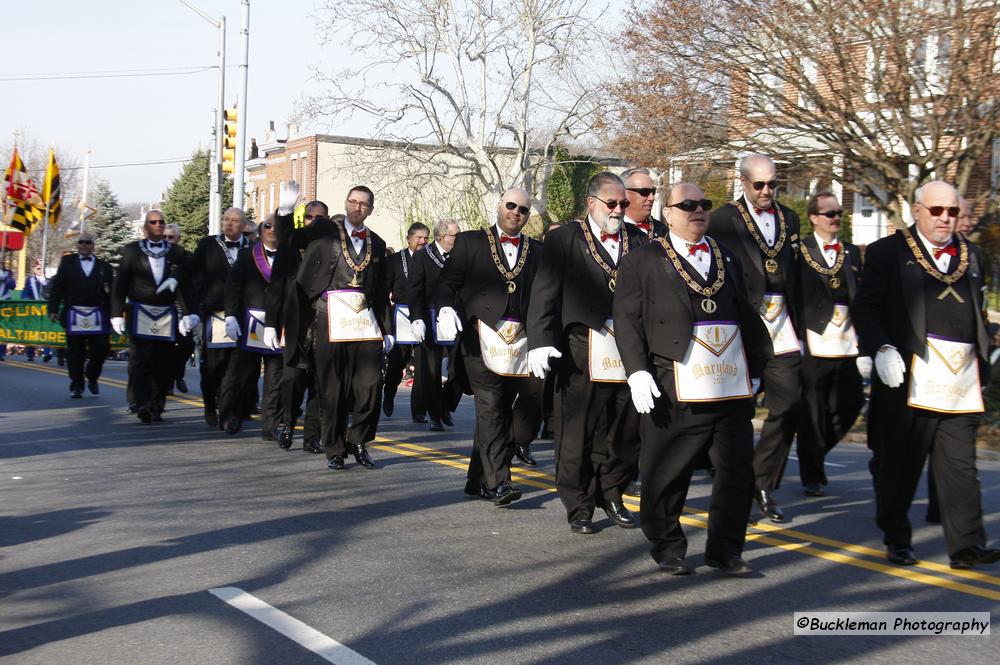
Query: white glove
[[288, 197], [188, 323], [419, 329], [271, 339], [449, 323], [864, 364], [232, 327], [118, 325], [388, 341], [643, 388], [754, 386], [169, 284], [890, 366], [538, 360]]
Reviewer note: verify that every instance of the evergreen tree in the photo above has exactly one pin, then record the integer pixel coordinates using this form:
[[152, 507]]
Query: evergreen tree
[[561, 203], [110, 224], [187, 199]]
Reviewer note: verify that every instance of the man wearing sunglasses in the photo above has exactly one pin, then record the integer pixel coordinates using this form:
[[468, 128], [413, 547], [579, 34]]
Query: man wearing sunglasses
[[764, 236], [640, 190], [152, 280], [484, 294], [597, 431], [919, 313], [80, 300], [693, 348], [832, 391]]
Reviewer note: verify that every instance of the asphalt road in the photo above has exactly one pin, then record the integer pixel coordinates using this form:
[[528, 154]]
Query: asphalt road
[[112, 535]]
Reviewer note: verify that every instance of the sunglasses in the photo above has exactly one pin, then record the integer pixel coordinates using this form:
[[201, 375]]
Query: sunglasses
[[642, 191], [510, 205], [937, 211], [166, 237], [267, 225], [690, 205], [155, 222], [612, 204], [84, 242], [830, 214], [760, 184]]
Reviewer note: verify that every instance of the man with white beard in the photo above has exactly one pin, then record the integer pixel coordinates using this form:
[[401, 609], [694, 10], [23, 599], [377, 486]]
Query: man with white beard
[[597, 436]]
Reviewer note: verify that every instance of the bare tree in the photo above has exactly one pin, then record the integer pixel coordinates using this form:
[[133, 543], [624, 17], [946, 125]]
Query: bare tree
[[460, 88], [892, 93]]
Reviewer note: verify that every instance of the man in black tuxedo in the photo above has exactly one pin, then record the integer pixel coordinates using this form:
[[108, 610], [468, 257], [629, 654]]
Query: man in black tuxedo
[[692, 347], [184, 346], [80, 300], [208, 269], [832, 390], [640, 190], [399, 274], [439, 397], [919, 313], [246, 300], [597, 428], [484, 294], [764, 236], [342, 280], [151, 277]]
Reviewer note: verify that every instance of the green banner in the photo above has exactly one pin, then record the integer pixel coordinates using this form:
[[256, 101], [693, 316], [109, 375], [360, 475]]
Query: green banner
[[26, 322]]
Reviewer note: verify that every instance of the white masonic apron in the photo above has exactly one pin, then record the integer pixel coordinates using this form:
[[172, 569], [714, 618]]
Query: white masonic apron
[[605, 361], [349, 318], [838, 339], [154, 322], [82, 320], [253, 333], [946, 379], [714, 366], [439, 337], [779, 324], [404, 330], [505, 347], [215, 332]]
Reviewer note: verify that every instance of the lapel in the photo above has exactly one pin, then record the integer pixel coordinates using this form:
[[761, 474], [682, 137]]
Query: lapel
[[912, 283], [852, 275], [680, 288], [752, 250], [597, 275], [811, 246]]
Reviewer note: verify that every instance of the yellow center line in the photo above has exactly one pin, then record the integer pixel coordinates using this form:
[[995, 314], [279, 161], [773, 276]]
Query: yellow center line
[[805, 542]]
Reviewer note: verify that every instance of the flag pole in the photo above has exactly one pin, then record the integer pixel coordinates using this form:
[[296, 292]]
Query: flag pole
[[83, 195]]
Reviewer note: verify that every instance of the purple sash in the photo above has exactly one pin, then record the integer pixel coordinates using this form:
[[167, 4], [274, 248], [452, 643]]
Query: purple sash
[[260, 260]]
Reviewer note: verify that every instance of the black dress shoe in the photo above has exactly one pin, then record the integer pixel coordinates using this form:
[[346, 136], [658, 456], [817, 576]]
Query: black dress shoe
[[313, 446], [582, 526], [182, 385], [634, 489], [524, 455], [901, 555], [732, 565], [132, 407], [144, 415], [420, 419], [212, 418], [283, 435], [768, 506], [674, 566], [814, 489], [505, 493], [336, 462], [76, 394], [446, 419], [388, 406], [436, 425], [233, 426], [471, 489], [974, 556], [362, 457], [619, 514], [93, 387]]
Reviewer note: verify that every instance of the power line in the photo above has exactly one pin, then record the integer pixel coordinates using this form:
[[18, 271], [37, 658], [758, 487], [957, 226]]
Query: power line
[[115, 165], [126, 73]]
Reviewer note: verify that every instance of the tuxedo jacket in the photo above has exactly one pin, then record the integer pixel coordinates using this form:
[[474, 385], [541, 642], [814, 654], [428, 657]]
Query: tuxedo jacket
[[424, 277], [471, 284], [246, 285], [726, 225], [657, 229], [135, 282], [72, 286], [396, 279], [890, 306], [208, 269], [570, 288], [654, 313], [814, 289]]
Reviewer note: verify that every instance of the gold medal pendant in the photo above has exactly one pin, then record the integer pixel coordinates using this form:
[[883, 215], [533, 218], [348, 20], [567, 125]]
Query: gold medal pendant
[[834, 282], [771, 266], [708, 306], [511, 287], [611, 285], [354, 281]]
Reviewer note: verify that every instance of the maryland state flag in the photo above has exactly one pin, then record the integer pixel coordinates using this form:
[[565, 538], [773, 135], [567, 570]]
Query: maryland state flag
[[24, 206], [51, 194]]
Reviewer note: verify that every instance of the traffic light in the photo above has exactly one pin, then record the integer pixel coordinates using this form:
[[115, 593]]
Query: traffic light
[[229, 141]]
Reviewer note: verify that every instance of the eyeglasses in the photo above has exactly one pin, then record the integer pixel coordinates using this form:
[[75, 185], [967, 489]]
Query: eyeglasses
[[155, 222], [359, 204], [84, 242], [690, 205], [760, 184], [832, 213], [166, 237], [642, 191], [267, 225], [937, 211], [510, 205], [612, 204]]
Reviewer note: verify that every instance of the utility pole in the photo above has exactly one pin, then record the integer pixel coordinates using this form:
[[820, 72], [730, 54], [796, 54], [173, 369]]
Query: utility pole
[[241, 136]]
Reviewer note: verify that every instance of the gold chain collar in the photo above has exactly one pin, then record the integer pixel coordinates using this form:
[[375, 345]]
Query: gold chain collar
[[509, 275], [769, 252], [931, 269], [720, 271], [611, 272], [358, 268], [829, 272]]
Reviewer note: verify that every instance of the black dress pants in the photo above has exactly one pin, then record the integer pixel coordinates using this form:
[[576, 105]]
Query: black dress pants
[[240, 383], [398, 358], [150, 372], [781, 399], [213, 369], [832, 397], [85, 356]]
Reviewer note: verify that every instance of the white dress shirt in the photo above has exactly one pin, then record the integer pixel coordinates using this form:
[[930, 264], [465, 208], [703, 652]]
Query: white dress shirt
[[157, 263], [440, 250], [358, 243], [700, 260], [942, 262], [828, 254], [508, 249], [612, 245], [87, 264], [765, 223]]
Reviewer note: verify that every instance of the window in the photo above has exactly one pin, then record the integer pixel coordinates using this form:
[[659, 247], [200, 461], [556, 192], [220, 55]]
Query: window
[[810, 73], [294, 164], [874, 68], [765, 88]]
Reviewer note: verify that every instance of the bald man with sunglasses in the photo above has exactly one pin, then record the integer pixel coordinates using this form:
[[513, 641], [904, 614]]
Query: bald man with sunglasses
[[764, 236], [640, 191]]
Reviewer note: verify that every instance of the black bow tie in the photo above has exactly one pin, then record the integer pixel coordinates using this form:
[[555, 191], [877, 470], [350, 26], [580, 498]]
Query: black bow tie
[[270, 252], [154, 244], [232, 244], [444, 255], [86, 258]]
